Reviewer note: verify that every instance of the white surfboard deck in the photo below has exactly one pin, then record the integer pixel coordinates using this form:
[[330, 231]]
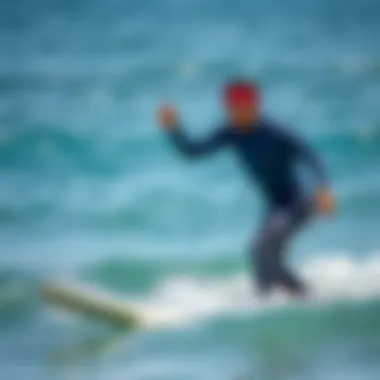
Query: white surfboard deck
[[103, 306]]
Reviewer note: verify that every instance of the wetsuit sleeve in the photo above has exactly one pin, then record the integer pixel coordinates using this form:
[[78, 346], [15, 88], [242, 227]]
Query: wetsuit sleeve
[[306, 154], [197, 148]]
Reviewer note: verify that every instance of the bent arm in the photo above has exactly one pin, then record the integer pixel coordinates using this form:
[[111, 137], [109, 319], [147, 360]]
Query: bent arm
[[192, 148], [306, 154]]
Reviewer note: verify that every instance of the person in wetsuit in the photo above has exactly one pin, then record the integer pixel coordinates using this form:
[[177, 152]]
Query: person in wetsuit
[[269, 154]]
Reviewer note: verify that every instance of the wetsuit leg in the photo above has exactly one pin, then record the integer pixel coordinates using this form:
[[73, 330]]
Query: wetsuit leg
[[269, 250]]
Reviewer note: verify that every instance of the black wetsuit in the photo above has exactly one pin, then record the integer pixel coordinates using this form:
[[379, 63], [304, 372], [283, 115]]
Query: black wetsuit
[[269, 155]]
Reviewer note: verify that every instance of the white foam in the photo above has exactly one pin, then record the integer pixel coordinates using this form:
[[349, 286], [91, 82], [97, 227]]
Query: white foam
[[185, 299]]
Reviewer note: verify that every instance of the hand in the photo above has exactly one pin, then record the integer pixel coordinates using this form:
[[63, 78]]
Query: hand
[[325, 203], [168, 117]]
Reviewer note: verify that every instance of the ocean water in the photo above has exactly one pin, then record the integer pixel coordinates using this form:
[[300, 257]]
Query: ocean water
[[90, 190]]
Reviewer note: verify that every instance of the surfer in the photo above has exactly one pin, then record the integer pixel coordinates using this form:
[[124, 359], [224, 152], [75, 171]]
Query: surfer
[[269, 155]]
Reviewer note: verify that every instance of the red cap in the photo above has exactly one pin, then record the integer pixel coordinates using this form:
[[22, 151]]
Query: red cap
[[241, 93]]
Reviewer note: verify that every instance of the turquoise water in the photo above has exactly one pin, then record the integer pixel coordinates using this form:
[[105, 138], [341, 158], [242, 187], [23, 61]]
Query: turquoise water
[[91, 191]]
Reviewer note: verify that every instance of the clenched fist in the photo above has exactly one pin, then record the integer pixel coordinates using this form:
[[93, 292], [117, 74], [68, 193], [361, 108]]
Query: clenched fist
[[168, 117], [325, 202]]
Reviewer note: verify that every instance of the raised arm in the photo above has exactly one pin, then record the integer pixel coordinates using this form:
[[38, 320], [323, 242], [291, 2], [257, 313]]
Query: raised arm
[[196, 148], [169, 120]]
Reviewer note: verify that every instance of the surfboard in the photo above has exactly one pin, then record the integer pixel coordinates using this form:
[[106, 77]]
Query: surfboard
[[93, 303]]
